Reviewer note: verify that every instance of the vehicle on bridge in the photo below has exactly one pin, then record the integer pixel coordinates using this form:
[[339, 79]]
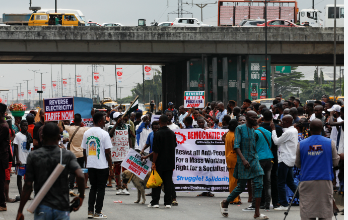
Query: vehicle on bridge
[[93, 24], [251, 22], [111, 24], [43, 19], [313, 17], [77, 13], [16, 19], [188, 22], [279, 23], [165, 24]]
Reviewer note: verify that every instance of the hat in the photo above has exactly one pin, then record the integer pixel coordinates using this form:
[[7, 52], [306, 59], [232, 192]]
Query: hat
[[335, 108], [116, 115], [170, 103]]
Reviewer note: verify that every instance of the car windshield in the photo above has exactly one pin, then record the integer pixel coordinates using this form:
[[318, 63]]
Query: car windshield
[[267, 103]]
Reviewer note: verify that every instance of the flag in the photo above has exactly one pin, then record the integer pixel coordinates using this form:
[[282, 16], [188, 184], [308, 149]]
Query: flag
[[96, 78], [119, 74], [78, 81], [133, 107], [65, 83], [148, 72]]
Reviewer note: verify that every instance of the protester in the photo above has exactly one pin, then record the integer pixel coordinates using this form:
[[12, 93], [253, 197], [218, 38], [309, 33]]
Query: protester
[[248, 166], [131, 130], [316, 156], [96, 144], [182, 115], [336, 109], [36, 137], [225, 122], [22, 145], [4, 153], [137, 119], [121, 189], [149, 142], [132, 117], [231, 158], [294, 113], [297, 103], [267, 116], [170, 124], [142, 132], [310, 111], [235, 113], [164, 144], [16, 126], [287, 153], [40, 165], [172, 109], [188, 122], [241, 120], [30, 119]]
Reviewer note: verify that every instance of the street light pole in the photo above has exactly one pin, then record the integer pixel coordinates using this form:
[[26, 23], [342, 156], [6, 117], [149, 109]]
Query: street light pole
[[266, 60], [20, 90], [27, 88], [201, 6], [335, 52]]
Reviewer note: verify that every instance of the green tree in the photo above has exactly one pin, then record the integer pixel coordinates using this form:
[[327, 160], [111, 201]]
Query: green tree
[[284, 83], [316, 79]]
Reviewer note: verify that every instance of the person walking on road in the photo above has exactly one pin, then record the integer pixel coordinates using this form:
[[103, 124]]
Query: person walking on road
[[248, 166], [164, 144], [316, 156], [40, 164], [4, 153], [287, 144], [96, 144]]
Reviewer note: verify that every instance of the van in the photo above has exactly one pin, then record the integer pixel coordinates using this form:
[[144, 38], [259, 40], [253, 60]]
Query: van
[[268, 102], [64, 19]]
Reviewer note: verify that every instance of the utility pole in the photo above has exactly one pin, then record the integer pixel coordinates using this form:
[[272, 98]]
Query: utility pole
[[51, 82], [201, 6], [27, 88], [312, 4], [17, 93], [180, 10], [335, 52], [116, 81], [143, 85], [55, 6], [109, 89], [120, 92], [266, 59], [75, 82], [20, 89], [61, 70], [34, 71]]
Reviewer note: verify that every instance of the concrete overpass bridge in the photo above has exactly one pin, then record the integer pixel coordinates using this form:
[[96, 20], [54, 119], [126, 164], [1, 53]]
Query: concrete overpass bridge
[[223, 58]]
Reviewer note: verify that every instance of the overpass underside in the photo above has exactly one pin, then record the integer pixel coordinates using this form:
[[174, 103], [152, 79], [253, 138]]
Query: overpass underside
[[225, 62]]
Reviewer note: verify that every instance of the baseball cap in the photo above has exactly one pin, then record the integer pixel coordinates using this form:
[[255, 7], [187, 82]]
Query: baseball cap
[[170, 103], [336, 108]]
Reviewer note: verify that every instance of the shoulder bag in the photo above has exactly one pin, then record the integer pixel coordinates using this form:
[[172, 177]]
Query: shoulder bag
[[72, 137]]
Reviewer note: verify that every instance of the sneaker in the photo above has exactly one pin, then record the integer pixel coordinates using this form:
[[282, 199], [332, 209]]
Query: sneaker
[[249, 209], [99, 215], [118, 191], [168, 206], [125, 192], [90, 214], [281, 208], [153, 206]]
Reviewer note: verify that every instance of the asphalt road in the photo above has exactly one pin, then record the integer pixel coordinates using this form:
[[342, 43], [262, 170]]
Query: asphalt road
[[190, 207]]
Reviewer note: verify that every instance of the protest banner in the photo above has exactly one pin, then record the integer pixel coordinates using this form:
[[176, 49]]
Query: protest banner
[[133, 163], [194, 99], [58, 109], [120, 145], [87, 122], [200, 163]]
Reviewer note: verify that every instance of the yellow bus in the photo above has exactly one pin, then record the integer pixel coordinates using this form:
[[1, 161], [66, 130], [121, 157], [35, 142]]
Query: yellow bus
[[55, 19]]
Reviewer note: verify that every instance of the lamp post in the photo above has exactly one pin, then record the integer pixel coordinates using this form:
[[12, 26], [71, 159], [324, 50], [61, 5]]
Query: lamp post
[[266, 60], [335, 51]]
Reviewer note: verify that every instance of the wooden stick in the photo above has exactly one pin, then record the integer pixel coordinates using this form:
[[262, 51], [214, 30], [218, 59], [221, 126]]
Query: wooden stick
[[130, 178]]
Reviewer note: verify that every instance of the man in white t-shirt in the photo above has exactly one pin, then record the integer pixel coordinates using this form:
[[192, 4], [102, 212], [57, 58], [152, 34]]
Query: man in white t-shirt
[[170, 124], [21, 152], [96, 144], [142, 132]]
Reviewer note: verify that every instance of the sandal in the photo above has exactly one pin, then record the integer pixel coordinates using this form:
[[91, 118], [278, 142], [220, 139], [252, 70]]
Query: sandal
[[175, 203], [262, 216], [224, 211]]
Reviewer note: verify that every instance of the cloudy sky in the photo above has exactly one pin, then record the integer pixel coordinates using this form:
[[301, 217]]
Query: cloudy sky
[[103, 11]]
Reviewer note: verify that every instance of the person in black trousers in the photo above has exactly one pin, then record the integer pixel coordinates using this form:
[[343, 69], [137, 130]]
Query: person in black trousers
[[164, 144], [267, 116]]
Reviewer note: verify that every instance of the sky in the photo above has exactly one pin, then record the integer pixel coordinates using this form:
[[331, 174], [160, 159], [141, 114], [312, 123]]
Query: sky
[[104, 11]]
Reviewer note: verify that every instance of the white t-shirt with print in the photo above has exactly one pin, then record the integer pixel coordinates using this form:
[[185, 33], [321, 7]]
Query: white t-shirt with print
[[21, 141], [173, 126], [95, 141]]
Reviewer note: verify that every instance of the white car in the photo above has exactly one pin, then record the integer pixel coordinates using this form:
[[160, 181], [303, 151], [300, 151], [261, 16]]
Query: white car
[[165, 24], [111, 24], [188, 22]]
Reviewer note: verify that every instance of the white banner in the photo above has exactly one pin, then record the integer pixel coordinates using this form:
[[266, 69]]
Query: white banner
[[148, 72], [43, 87], [65, 83], [96, 78], [133, 163], [78, 81], [194, 99], [119, 73], [120, 145], [200, 163]]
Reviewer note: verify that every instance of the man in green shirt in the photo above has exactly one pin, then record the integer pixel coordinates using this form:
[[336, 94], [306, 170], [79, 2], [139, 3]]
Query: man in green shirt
[[56, 20], [248, 166]]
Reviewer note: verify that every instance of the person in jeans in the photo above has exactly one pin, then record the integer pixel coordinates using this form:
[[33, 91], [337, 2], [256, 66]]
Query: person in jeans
[[268, 118], [40, 165], [287, 145], [96, 144], [75, 147], [164, 144], [263, 148]]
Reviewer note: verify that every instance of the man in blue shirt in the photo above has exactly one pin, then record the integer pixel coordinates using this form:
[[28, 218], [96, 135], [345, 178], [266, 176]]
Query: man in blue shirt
[[155, 126], [220, 115]]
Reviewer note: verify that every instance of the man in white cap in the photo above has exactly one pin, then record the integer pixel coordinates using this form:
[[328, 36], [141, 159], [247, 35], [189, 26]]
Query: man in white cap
[[336, 118]]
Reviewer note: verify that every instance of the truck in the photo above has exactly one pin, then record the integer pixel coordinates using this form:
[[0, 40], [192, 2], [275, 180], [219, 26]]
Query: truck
[[315, 17], [16, 19], [232, 12]]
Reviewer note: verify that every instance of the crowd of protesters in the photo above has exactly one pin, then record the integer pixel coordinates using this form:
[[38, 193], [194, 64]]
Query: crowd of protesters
[[263, 147]]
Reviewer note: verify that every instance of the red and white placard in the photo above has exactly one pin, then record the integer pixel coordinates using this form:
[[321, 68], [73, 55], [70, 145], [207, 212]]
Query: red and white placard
[[96, 78], [79, 81], [148, 72]]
